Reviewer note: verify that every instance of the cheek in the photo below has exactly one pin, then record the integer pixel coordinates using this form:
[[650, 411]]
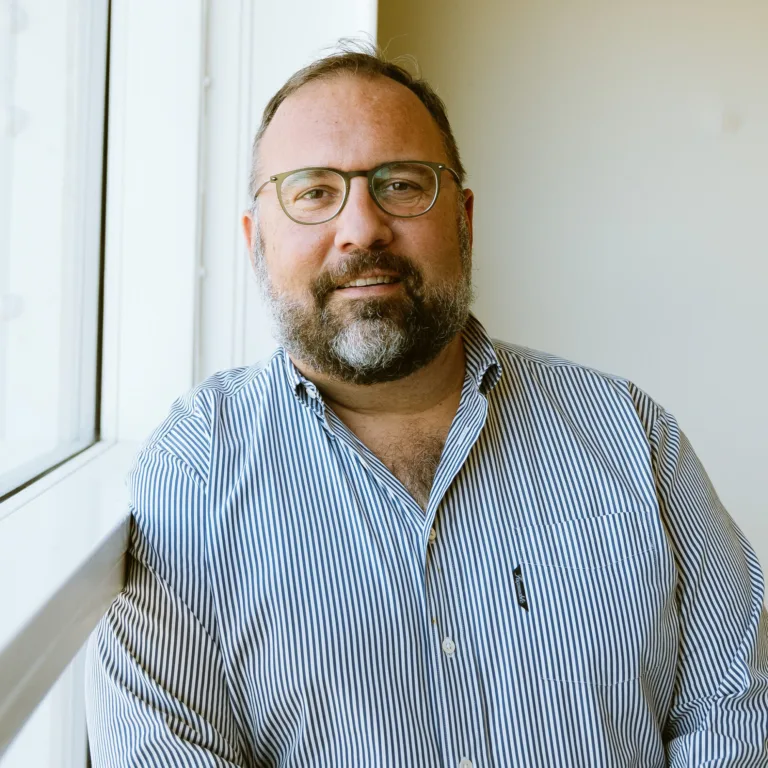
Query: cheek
[[434, 247], [295, 255]]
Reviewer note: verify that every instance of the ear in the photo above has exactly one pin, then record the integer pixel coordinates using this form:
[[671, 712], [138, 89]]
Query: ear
[[469, 207], [248, 230]]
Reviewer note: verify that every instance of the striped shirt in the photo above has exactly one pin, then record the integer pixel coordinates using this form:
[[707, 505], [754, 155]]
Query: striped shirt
[[574, 594]]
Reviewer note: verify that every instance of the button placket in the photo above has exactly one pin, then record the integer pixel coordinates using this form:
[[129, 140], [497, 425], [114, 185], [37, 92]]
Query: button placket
[[451, 662], [436, 633], [444, 652], [455, 672], [434, 586]]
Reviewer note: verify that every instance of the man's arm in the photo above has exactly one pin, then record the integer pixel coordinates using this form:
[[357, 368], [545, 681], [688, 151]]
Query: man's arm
[[719, 712], [156, 692]]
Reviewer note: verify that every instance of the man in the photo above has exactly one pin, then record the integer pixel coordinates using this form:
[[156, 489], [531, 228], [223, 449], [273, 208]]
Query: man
[[399, 543]]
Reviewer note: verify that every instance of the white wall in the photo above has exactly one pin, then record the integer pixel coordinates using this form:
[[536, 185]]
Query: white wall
[[619, 155]]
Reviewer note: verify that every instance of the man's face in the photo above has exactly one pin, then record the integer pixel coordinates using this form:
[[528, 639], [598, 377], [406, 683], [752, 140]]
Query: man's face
[[378, 332]]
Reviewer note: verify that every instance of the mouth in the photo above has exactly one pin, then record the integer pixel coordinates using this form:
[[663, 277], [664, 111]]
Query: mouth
[[364, 282], [373, 282]]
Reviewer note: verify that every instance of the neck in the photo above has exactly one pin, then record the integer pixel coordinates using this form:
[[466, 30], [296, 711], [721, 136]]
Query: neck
[[434, 386]]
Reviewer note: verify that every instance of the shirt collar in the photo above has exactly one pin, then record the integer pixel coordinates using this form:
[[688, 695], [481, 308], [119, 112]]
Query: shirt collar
[[482, 366], [304, 390]]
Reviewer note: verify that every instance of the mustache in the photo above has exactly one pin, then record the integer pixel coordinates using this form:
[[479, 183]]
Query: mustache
[[358, 262]]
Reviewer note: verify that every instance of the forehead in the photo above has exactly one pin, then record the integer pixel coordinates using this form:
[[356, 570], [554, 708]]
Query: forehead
[[351, 123]]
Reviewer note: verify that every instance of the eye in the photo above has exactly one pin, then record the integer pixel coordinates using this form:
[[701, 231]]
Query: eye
[[314, 197], [313, 194], [398, 185]]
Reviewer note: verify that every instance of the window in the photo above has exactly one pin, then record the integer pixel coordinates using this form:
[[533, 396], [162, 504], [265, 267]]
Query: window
[[173, 67], [52, 100]]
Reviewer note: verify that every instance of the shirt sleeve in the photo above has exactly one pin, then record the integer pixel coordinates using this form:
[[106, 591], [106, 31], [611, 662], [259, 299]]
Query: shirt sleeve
[[156, 691], [719, 711]]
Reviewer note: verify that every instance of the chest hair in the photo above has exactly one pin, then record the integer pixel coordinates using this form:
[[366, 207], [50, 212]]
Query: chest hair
[[412, 457]]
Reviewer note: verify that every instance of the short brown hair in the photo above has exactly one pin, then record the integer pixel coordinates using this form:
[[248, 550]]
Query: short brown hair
[[365, 60]]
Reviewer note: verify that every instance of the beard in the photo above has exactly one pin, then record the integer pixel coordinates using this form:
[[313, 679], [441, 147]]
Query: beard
[[374, 340]]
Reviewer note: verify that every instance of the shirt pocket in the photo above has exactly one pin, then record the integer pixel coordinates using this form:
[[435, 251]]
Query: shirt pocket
[[589, 585]]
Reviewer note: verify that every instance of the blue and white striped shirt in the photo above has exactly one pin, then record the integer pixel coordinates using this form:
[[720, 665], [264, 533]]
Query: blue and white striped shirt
[[574, 594]]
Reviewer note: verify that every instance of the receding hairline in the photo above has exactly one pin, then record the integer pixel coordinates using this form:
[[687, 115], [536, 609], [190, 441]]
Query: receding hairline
[[343, 74], [360, 60]]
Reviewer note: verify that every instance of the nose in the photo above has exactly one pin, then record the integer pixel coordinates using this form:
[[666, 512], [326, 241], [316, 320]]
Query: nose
[[362, 224]]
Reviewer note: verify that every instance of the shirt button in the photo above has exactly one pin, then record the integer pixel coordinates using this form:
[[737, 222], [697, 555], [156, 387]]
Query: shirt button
[[465, 763], [449, 647], [432, 535]]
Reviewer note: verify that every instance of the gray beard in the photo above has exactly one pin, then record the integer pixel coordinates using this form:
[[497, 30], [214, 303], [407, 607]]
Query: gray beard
[[369, 341]]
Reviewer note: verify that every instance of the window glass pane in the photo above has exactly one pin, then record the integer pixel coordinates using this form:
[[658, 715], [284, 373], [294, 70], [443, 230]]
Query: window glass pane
[[52, 75]]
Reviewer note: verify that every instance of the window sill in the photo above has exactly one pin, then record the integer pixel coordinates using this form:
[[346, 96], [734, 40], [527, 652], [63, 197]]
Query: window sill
[[62, 553]]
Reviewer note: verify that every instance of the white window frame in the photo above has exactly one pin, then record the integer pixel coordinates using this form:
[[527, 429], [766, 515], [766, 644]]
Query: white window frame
[[59, 380], [63, 538]]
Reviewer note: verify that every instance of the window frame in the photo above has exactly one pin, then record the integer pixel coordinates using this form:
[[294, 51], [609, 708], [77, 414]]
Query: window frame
[[82, 178], [64, 533]]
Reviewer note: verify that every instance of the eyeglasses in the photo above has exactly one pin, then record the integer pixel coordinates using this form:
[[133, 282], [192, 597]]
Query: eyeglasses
[[405, 189]]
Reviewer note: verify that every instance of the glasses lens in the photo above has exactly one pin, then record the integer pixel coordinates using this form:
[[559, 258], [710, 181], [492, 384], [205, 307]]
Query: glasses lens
[[311, 196], [405, 189]]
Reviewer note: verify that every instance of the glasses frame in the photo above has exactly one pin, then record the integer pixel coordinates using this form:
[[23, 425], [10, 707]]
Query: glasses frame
[[437, 169]]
